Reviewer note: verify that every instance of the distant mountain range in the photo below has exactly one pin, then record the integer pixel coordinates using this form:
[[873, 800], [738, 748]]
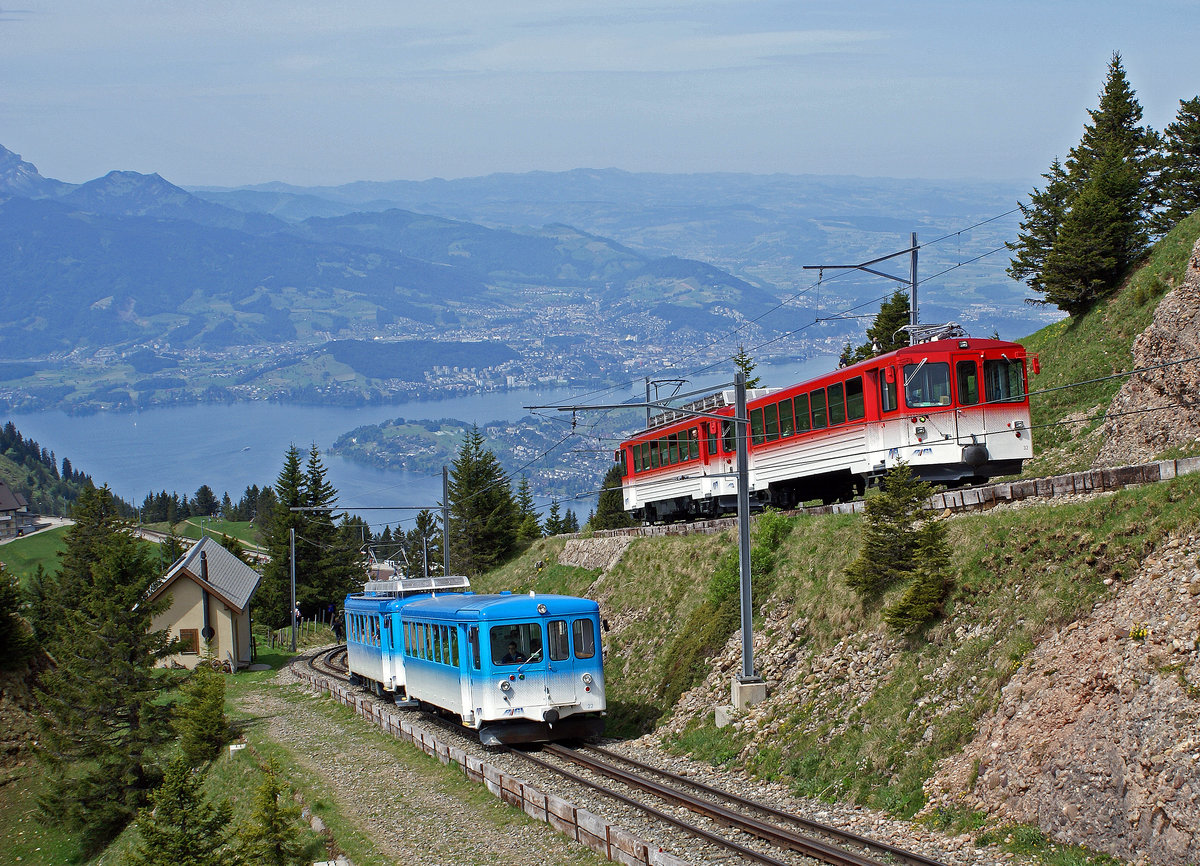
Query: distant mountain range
[[130, 265]]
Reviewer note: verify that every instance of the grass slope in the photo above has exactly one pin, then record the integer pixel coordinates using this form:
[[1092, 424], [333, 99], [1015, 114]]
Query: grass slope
[[1093, 346]]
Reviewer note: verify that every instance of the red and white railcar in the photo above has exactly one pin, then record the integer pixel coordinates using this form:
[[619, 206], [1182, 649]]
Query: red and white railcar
[[955, 410]]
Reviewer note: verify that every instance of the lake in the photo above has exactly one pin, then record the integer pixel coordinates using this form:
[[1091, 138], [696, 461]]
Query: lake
[[231, 446]]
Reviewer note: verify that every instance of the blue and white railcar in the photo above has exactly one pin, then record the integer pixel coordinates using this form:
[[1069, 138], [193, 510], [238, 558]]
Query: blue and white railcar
[[516, 668], [373, 655]]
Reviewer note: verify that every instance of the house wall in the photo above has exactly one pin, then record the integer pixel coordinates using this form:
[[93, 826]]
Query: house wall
[[231, 630]]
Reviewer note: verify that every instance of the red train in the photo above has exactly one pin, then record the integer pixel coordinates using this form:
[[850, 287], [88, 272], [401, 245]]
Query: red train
[[955, 410]]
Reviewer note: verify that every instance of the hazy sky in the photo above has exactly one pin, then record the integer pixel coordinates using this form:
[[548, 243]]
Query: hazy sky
[[317, 93]]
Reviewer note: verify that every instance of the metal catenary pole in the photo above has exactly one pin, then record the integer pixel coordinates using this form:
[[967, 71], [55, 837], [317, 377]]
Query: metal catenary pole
[[292, 612]]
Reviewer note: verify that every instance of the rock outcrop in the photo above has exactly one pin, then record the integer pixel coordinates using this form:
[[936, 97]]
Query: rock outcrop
[[1132, 435]]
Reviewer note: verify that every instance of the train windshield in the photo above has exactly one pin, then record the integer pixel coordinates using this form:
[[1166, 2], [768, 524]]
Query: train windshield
[[515, 644], [926, 385], [1004, 381]]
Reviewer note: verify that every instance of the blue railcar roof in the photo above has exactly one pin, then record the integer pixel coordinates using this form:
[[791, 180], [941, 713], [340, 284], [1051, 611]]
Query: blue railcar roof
[[500, 606]]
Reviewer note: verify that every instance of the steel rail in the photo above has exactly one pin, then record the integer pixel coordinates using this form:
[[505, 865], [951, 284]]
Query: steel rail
[[778, 836], [692, 829], [809, 824]]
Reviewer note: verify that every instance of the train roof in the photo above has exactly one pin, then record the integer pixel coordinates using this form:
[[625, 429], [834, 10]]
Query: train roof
[[722, 402], [501, 606]]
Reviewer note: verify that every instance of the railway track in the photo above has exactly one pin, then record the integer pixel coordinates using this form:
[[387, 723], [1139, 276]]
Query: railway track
[[783, 832]]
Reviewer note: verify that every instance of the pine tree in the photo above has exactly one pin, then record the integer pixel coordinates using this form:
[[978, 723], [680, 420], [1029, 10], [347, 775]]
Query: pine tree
[[179, 828], [1178, 182], [745, 364], [274, 835], [888, 539], [272, 602], [423, 543], [570, 522], [103, 719], [885, 335], [200, 718], [530, 525], [553, 525], [16, 635], [1042, 218], [931, 582], [610, 510], [483, 514]]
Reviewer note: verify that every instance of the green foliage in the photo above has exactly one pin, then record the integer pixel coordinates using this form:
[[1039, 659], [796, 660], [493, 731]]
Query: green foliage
[[274, 835], [179, 828], [885, 335], [745, 365], [931, 582], [1028, 841], [102, 714], [610, 510], [200, 718], [483, 514], [1178, 189], [1083, 231], [16, 635], [530, 525], [889, 539]]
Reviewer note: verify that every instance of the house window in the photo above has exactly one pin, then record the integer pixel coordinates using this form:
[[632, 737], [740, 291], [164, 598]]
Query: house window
[[189, 639]]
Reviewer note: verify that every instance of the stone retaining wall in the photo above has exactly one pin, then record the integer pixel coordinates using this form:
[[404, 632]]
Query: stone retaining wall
[[605, 839]]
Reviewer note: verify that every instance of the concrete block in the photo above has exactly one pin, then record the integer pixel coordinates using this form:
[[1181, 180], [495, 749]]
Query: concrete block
[[725, 715], [748, 692]]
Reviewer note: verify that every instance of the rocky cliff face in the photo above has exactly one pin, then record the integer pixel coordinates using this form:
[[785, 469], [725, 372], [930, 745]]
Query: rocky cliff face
[[1096, 738], [1135, 436]]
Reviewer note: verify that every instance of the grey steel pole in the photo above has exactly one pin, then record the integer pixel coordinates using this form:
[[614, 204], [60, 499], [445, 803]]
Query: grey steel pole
[[292, 612], [743, 502], [914, 318], [445, 521]]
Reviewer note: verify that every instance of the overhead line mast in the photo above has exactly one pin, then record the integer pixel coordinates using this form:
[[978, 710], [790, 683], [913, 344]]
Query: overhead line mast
[[913, 317]]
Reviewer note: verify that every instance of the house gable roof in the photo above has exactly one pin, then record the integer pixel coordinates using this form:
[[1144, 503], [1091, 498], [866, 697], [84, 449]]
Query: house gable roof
[[229, 578], [10, 500]]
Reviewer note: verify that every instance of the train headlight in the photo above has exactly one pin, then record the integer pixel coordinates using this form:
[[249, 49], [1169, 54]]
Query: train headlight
[[587, 679], [505, 686]]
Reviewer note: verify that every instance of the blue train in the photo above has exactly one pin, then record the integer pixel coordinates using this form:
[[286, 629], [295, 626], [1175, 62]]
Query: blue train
[[516, 668]]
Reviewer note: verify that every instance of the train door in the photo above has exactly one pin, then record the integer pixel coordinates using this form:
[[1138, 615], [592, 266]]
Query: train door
[[468, 669], [970, 413], [560, 667]]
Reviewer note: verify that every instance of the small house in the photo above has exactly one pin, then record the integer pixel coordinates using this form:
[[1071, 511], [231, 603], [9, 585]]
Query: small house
[[210, 591], [15, 518]]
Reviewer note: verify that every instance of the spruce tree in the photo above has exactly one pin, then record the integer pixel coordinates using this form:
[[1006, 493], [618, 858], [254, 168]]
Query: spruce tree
[[16, 635], [1178, 182], [1041, 219], [745, 364], [888, 539], [530, 525], [103, 718], [553, 525], [274, 834], [179, 828], [885, 335], [483, 513], [272, 602], [200, 718], [610, 510], [930, 585]]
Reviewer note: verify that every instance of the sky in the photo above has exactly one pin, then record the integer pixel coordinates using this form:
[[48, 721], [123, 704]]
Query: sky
[[233, 93]]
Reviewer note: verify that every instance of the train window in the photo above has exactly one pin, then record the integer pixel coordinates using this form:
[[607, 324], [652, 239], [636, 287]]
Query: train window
[[771, 422], [556, 638], [926, 385], [654, 454], [837, 404], [711, 427], [644, 460], [756, 426], [817, 401], [189, 641], [887, 391], [584, 632], [729, 437], [802, 422], [454, 646], [787, 423], [473, 644], [445, 645], [515, 644], [1004, 381], [966, 375], [673, 448], [428, 642], [855, 405], [664, 451], [693, 444]]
